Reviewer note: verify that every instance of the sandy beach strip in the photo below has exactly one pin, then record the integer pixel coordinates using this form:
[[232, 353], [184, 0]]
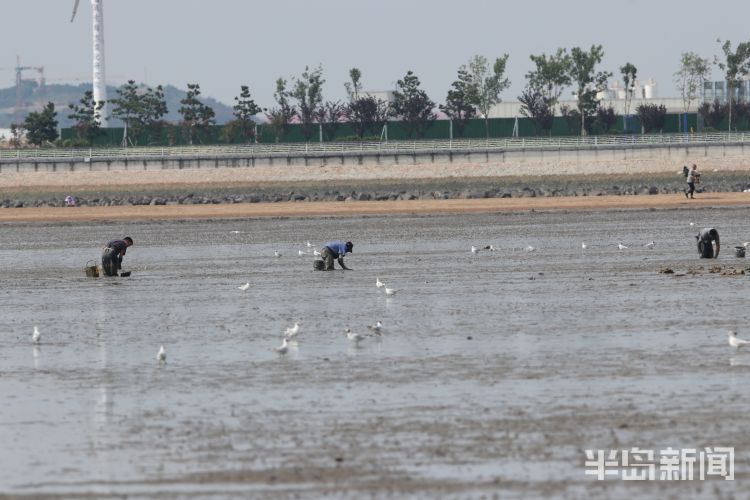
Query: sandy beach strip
[[363, 208]]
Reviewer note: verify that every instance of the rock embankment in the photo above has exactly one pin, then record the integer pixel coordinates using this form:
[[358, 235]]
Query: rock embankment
[[377, 191]]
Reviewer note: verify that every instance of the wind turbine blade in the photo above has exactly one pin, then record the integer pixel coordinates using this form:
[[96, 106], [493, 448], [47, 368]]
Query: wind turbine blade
[[75, 9]]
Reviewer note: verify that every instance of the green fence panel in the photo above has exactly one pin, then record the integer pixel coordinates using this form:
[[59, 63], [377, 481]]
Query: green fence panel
[[174, 135]]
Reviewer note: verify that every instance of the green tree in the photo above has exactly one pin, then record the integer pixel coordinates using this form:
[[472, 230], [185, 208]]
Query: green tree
[[486, 84], [128, 108], [572, 118], [367, 113], [329, 116], [741, 111], [588, 81], [140, 108], [736, 64], [41, 126], [196, 116], [281, 116], [689, 79], [629, 73], [16, 133], [605, 118], [459, 102], [308, 91], [713, 113], [87, 115], [244, 113], [412, 105], [551, 75], [354, 87], [364, 112], [154, 108], [652, 117], [536, 106]]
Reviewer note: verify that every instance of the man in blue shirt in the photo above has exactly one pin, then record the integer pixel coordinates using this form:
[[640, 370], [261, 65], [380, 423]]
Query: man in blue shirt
[[112, 255], [336, 249]]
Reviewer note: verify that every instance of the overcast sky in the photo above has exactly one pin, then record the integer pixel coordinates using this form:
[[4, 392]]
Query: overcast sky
[[222, 44]]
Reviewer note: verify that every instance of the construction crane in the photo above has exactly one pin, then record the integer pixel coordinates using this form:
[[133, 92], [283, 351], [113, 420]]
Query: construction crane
[[19, 84]]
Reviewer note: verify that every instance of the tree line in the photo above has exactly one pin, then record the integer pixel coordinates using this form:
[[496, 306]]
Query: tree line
[[477, 89]]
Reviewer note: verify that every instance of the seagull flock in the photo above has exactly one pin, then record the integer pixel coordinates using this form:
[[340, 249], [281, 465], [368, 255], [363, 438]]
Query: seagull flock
[[290, 334], [289, 338], [584, 246]]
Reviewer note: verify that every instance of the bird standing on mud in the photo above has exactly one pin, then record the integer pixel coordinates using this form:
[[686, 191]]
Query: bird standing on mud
[[283, 348], [292, 331], [736, 342], [354, 337], [161, 356]]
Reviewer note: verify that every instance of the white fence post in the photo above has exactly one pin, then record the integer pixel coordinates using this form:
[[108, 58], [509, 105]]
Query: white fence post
[[507, 143]]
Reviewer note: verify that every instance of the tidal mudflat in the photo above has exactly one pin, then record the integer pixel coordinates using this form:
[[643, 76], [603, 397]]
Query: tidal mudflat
[[493, 374]]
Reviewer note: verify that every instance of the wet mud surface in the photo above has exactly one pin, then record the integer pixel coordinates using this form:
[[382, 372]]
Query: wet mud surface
[[493, 374]]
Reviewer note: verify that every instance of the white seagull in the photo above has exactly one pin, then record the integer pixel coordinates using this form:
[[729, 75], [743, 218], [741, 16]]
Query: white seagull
[[354, 337], [736, 342], [276, 254], [474, 249], [692, 223], [650, 244], [530, 248], [244, 287], [376, 328], [583, 246], [283, 348], [379, 283], [301, 253], [390, 291], [621, 246], [161, 356], [309, 245], [315, 252], [36, 337], [292, 332], [746, 244]]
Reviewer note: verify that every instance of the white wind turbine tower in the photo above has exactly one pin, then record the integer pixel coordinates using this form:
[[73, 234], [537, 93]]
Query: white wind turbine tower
[[100, 82]]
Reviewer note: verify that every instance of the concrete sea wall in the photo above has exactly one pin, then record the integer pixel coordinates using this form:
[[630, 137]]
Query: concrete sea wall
[[491, 162], [354, 176]]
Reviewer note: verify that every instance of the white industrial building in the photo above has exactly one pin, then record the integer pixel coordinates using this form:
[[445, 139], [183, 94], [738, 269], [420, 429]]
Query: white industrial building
[[718, 90], [643, 93]]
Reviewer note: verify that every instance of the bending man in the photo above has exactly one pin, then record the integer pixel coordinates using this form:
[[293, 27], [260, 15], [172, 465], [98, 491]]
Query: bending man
[[112, 255], [707, 238], [335, 250]]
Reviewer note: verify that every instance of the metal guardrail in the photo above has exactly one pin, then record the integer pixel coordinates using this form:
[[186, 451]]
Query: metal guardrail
[[422, 146]]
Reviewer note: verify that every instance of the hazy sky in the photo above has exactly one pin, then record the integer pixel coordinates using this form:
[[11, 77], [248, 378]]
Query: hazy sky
[[222, 44]]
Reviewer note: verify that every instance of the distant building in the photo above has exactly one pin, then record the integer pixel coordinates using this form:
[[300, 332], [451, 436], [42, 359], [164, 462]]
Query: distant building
[[614, 96], [383, 95], [718, 90], [641, 90]]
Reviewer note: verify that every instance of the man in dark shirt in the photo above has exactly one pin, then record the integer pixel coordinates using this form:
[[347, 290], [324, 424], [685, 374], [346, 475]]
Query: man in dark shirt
[[112, 255], [336, 250], [707, 239]]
